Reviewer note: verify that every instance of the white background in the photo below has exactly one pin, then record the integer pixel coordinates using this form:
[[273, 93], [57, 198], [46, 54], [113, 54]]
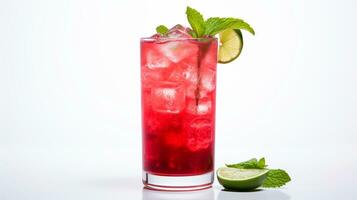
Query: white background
[[70, 96]]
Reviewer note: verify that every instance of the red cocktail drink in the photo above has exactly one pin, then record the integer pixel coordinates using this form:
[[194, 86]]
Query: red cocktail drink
[[178, 85]]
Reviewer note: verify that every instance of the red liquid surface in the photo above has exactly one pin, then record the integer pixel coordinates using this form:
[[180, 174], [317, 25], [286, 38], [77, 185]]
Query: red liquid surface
[[178, 84]]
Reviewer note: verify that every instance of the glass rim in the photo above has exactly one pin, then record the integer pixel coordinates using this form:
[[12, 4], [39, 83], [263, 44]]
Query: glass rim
[[149, 39]]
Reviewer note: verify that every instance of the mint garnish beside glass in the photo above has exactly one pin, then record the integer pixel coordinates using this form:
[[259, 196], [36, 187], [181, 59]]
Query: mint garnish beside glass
[[251, 174]]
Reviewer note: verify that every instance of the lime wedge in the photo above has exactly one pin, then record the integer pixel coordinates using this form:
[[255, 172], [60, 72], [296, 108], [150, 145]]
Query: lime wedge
[[231, 44], [241, 179]]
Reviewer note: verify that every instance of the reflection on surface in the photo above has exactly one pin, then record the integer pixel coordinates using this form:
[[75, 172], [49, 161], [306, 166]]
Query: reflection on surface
[[207, 194], [123, 183], [254, 195]]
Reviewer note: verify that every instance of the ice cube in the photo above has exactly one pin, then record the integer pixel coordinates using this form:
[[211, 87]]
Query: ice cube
[[200, 106], [208, 79], [199, 134], [149, 77], [185, 73], [168, 97], [179, 31], [177, 50], [155, 60]]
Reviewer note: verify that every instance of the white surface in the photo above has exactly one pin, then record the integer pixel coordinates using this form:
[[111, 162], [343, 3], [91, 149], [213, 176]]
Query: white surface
[[70, 99], [106, 173]]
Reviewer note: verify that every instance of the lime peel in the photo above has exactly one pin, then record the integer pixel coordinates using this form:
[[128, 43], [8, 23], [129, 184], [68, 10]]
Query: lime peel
[[241, 179]]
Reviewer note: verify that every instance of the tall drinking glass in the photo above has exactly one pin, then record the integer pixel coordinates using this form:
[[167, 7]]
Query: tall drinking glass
[[178, 93]]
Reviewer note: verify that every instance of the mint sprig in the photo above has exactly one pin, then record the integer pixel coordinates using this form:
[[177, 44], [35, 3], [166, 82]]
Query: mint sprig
[[196, 21], [213, 25], [162, 29], [275, 177]]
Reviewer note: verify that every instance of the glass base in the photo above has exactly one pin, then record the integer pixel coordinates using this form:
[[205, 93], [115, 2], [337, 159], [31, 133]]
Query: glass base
[[178, 183]]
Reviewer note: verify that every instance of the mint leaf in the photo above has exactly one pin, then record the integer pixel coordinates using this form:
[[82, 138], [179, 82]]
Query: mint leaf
[[249, 164], [276, 178], [196, 21], [162, 29], [215, 25], [261, 163]]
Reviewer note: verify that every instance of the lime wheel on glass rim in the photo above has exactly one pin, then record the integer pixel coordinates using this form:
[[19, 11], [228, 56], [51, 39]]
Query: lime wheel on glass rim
[[231, 44]]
